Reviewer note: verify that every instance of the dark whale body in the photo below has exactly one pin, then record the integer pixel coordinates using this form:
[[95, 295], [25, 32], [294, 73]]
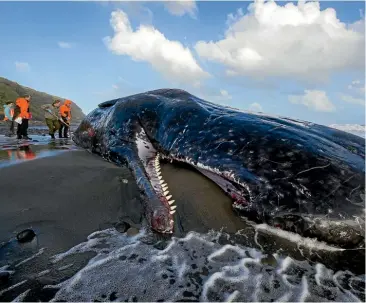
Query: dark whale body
[[293, 175]]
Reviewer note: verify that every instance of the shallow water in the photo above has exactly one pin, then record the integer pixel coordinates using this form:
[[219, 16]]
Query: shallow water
[[13, 151]]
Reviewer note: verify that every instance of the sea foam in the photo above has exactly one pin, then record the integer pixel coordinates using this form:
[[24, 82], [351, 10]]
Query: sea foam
[[197, 268]]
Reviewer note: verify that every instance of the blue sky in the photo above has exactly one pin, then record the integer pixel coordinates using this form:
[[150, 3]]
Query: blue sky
[[304, 61]]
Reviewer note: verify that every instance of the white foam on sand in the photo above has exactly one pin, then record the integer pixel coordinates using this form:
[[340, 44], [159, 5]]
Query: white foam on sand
[[195, 268]]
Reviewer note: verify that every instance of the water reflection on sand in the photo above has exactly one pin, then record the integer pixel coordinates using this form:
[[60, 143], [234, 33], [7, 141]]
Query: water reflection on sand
[[13, 151]]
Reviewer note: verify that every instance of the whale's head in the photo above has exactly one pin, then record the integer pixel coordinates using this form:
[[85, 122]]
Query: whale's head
[[90, 134]]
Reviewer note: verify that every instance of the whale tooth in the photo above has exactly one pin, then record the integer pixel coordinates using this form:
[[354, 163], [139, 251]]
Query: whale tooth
[[171, 221], [171, 202], [164, 187], [173, 207], [168, 197], [164, 184], [172, 212], [160, 177], [166, 192]]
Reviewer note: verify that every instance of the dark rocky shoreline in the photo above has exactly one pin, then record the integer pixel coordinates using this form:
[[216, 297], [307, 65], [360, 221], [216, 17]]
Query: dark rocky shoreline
[[35, 128]]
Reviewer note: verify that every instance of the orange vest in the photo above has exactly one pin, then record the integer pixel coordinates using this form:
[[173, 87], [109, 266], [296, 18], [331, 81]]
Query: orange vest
[[24, 106], [65, 111]]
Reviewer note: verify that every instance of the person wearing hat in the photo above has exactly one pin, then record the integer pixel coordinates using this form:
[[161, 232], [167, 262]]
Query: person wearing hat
[[65, 113]]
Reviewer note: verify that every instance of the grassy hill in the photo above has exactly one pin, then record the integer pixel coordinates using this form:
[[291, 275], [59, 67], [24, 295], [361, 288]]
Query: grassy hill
[[10, 91]]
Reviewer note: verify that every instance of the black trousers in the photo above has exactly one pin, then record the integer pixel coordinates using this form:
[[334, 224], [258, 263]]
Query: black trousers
[[12, 127], [22, 130], [63, 130]]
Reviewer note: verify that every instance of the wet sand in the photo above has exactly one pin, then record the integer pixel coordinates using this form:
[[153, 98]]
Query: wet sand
[[76, 193]]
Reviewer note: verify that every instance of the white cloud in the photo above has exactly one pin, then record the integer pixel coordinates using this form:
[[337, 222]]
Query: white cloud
[[180, 8], [298, 41], [353, 100], [357, 86], [225, 95], [171, 58], [114, 86], [22, 66], [256, 107], [358, 26], [212, 94], [62, 44], [316, 100]]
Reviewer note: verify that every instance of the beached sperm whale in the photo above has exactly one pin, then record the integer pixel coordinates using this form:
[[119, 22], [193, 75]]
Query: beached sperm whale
[[297, 176]]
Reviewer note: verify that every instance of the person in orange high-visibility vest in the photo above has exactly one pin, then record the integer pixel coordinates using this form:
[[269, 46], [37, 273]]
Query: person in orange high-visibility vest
[[8, 117], [22, 116], [65, 113]]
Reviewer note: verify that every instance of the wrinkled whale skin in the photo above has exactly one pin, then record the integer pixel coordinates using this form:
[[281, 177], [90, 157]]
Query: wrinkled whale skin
[[299, 176]]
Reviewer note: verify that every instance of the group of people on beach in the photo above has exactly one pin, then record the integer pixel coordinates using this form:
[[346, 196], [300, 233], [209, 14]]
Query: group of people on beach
[[57, 117]]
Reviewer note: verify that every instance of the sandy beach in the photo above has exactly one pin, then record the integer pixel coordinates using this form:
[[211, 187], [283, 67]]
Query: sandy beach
[[75, 190]]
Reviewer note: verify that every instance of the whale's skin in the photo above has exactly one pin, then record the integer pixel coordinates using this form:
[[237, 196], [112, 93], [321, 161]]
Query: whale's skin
[[291, 174]]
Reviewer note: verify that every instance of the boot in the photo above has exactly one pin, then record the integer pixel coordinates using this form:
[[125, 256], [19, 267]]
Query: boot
[[52, 136]]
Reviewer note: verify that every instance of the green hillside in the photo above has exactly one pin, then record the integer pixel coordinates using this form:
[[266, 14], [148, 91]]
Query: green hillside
[[10, 90]]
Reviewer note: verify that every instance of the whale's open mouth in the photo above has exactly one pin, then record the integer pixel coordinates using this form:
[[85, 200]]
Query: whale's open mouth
[[151, 158]]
